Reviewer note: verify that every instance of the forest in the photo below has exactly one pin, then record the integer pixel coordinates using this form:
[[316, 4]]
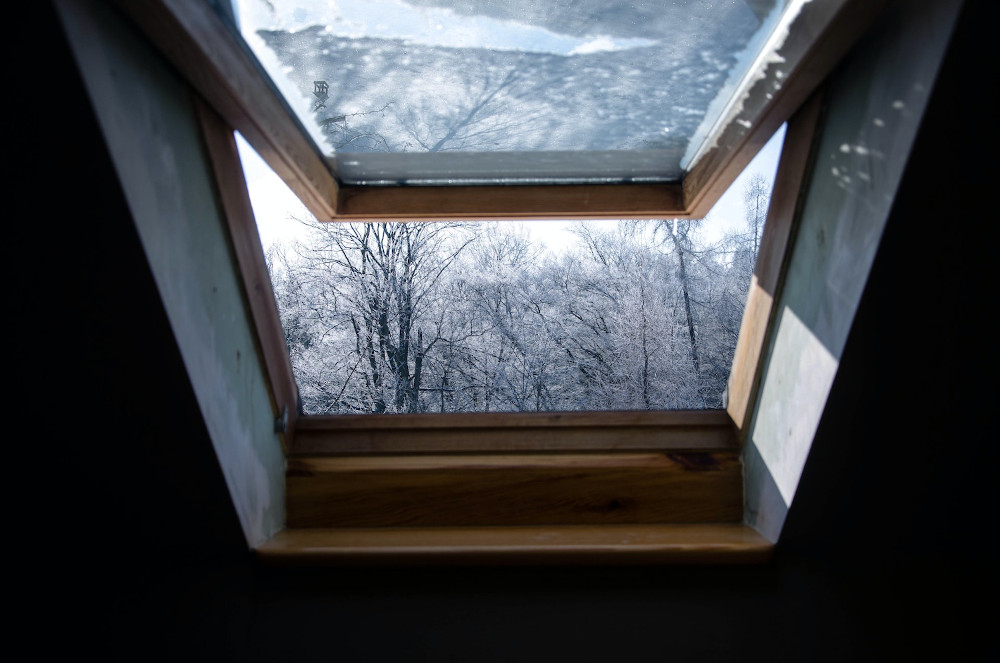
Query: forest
[[394, 317]]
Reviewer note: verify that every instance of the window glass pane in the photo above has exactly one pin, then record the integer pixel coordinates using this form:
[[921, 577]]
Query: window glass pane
[[511, 316], [475, 91]]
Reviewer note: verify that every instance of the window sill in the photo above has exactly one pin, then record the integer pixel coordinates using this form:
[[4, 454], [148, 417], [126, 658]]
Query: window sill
[[698, 543], [655, 488]]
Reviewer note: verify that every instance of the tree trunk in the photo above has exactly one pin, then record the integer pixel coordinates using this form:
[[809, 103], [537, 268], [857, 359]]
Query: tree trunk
[[687, 300]]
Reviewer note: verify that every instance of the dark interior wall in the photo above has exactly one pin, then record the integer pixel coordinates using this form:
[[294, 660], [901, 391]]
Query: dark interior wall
[[134, 552]]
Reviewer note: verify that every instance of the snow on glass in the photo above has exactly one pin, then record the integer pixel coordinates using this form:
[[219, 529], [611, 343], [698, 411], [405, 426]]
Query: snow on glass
[[458, 91]]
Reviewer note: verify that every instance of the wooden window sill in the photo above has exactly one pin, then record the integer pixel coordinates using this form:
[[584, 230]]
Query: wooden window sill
[[697, 543]]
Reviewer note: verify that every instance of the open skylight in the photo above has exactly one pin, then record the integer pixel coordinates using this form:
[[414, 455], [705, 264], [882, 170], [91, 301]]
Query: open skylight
[[425, 109]]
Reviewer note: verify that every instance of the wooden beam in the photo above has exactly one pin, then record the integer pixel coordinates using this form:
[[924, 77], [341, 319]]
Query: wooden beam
[[676, 430], [589, 201], [716, 543], [220, 143], [783, 212], [819, 38], [194, 38], [513, 489]]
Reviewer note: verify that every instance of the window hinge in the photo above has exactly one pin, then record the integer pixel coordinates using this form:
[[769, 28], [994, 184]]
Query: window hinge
[[281, 422]]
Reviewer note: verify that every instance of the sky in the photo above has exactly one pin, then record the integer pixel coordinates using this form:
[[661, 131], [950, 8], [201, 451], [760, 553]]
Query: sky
[[276, 208]]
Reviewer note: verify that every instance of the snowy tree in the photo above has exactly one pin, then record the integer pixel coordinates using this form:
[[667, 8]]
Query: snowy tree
[[383, 314], [441, 317], [756, 197], [619, 325]]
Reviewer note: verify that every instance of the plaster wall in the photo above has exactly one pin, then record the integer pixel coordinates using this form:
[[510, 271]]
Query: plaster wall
[[875, 104], [148, 120]]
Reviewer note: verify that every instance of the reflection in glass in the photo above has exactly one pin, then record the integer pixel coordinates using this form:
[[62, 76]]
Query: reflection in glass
[[524, 91]]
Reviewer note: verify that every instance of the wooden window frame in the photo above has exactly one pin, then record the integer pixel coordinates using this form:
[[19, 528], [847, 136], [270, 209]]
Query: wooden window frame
[[640, 452], [613, 446], [515, 432]]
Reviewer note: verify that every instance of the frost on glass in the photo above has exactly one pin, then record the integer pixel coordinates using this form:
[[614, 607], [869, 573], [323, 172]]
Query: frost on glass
[[439, 91]]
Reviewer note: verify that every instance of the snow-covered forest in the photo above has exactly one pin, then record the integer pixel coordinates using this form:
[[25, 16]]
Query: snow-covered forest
[[474, 317]]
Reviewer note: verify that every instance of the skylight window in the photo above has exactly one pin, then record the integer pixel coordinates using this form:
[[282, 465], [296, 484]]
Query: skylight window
[[432, 92]]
